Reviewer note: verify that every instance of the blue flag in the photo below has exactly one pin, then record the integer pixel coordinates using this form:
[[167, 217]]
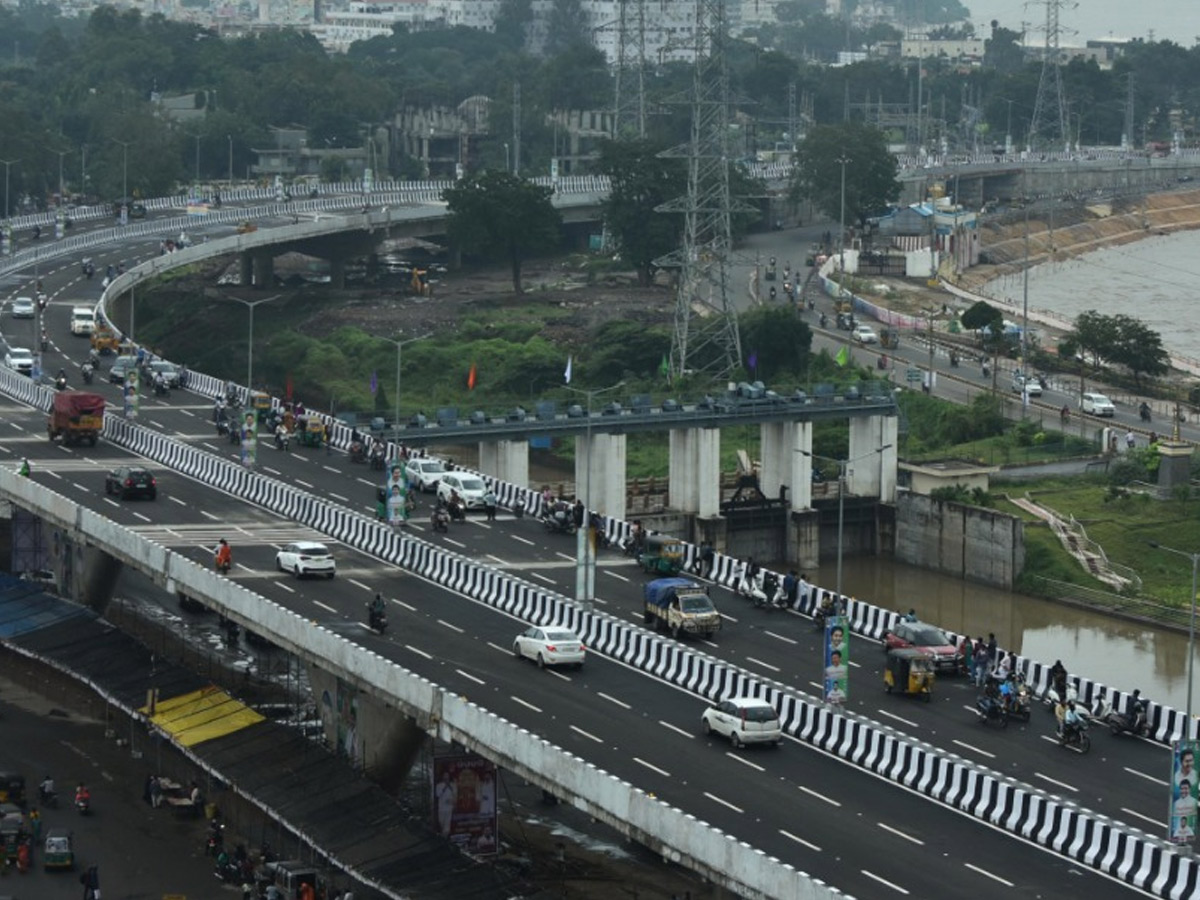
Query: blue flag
[[752, 361], [374, 383]]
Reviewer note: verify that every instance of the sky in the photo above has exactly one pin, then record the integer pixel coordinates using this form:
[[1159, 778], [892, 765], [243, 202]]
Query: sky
[[1174, 20]]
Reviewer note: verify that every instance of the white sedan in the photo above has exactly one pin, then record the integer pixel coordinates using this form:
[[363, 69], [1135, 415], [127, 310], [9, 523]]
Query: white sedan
[[19, 360], [23, 308], [424, 473], [549, 647], [306, 558], [865, 334]]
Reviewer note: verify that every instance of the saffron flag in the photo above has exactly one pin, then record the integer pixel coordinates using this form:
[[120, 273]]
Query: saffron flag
[[843, 355], [471, 378], [567, 374]]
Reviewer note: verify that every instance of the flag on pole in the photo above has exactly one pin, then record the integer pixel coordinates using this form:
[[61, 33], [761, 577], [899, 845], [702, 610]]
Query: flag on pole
[[752, 361], [374, 382], [567, 374], [664, 367], [843, 355], [471, 378]]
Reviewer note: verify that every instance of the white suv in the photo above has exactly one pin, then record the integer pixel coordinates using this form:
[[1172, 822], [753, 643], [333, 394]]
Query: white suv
[[1097, 405], [83, 320], [469, 487], [425, 473], [1031, 386]]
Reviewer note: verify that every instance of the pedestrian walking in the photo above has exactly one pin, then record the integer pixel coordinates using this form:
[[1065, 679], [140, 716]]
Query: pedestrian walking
[[328, 435], [155, 792], [489, 504], [980, 659], [1130, 440]]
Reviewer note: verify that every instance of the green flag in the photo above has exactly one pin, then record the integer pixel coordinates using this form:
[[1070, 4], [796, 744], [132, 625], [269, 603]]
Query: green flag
[[664, 367], [843, 355]]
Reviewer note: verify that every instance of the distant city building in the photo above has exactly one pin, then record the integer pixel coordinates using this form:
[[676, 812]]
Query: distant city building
[[922, 48]]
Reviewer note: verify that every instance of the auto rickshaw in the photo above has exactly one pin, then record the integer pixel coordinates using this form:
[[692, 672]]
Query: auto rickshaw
[[12, 788], [261, 403], [57, 852], [662, 555], [12, 831], [311, 431], [889, 338], [105, 340], [246, 227], [909, 671]]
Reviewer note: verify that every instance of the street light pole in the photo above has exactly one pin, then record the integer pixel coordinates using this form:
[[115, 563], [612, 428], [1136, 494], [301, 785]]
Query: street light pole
[[1195, 558], [250, 304], [842, 160], [8, 164], [399, 348], [230, 137], [585, 574], [124, 168]]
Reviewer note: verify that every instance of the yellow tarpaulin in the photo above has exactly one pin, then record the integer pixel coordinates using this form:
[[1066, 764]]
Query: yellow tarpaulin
[[201, 716]]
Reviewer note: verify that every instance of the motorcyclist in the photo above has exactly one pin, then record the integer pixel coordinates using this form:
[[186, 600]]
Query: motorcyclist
[[439, 519], [378, 606], [1137, 710], [823, 320], [223, 557], [94, 358], [160, 383], [46, 790], [991, 697], [45, 340], [86, 370], [1058, 678], [60, 380], [377, 455], [1071, 722], [82, 795], [1144, 411]]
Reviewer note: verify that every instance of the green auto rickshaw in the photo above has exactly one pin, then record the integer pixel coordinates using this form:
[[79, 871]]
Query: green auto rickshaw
[[57, 852], [662, 555]]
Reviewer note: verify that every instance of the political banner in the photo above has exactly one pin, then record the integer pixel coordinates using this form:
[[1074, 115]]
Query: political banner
[[837, 660], [249, 440], [130, 391], [1185, 792], [396, 496], [464, 802]]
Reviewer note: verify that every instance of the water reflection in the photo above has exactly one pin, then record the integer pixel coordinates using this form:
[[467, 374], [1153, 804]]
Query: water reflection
[[1115, 652]]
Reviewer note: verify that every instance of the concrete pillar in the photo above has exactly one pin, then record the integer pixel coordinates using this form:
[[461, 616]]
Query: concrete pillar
[[708, 468], [505, 460], [1174, 466], [245, 269], [783, 463], [683, 481], [337, 272], [604, 487], [100, 578], [871, 472], [264, 269]]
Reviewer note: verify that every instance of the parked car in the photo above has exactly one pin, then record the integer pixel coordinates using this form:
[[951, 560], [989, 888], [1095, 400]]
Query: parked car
[[169, 371], [19, 360], [424, 473], [121, 368], [947, 658], [550, 647], [306, 558], [131, 481], [1031, 386], [864, 334], [744, 720], [24, 308], [470, 488], [1097, 405]]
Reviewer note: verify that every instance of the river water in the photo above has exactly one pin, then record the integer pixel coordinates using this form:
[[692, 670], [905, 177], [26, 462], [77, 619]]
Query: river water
[[1155, 280]]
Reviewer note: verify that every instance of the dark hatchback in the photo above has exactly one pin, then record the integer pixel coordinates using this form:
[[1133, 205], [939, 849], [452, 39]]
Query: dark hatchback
[[131, 481]]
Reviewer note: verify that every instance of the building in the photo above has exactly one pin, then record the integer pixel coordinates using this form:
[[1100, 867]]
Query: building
[[292, 158]]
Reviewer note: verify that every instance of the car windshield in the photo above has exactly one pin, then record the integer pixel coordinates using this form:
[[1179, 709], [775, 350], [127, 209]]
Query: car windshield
[[20, 354], [560, 636], [695, 604], [471, 484], [430, 468], [928, 636], [759, 713]]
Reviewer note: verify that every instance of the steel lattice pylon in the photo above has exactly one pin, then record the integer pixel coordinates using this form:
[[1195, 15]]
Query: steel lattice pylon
[[630, 119], [705, 335], [1049, 120]]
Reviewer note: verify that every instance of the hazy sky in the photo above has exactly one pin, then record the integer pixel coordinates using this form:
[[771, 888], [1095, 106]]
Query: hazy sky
[[1174, 20]]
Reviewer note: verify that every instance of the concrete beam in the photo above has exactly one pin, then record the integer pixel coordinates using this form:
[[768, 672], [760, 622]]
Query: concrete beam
[[505, 460], [708, 465], [245, 269]]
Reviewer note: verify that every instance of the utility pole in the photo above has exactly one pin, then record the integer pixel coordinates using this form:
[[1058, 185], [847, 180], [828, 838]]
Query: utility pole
[[516, 126], [629, 117]]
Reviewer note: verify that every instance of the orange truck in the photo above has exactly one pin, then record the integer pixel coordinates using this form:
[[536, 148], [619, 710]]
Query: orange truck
[[76, 418]]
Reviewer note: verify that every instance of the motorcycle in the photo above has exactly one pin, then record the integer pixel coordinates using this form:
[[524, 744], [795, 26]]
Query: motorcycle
[[1133, 722], [1144, 412], [378, 462], [439, 520], [558, 519], [283, 440], [83, 803], [60, 383], [161, 389], [222, 427], [990, 709], [458, 512], [45, 343], [1017, 704], [357, 453], [235, 435], [1075, 737], [376, 620], [47, 799], [87, 373]]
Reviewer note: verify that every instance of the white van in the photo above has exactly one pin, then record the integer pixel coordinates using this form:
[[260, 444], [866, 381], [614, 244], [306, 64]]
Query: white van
[[83, 320]]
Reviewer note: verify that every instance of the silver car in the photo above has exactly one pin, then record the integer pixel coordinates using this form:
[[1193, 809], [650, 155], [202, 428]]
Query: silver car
[[744, 720], [19, 360], [23, 308]]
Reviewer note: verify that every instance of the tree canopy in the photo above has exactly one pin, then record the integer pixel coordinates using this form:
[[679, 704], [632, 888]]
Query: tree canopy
[[495, 212], [1118, 339], [640, 182], [870, 170]]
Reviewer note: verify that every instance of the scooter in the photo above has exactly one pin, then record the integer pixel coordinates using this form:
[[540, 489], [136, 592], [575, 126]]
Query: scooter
[[161, 389], [1075, 737], [376, 621], [559, 520], [87, 373], [1133, 722], [283, 440], [60, 383], [439, 520], [83, 804], [1017, 704], [1144, 412], [235, 435], [990, 709], [47, 799], [1051, 698]]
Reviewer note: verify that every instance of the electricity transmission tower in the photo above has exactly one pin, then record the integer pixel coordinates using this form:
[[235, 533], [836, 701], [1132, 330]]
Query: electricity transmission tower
[[705, 337], [630, 106], [1049, 127]]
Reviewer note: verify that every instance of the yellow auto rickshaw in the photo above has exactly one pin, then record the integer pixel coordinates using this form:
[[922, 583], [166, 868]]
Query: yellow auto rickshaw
[[12, 788], [311, 431], [909, 671], [105, 340], [662, 555], [261, 404]]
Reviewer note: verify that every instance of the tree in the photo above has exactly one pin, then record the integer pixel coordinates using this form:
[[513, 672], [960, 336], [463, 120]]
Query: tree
[[566, 27], [495, 212], [1138, 348], [778, 340], [1003, 51], [641, 181], [1094, 336], [513, 18], [870, 170]]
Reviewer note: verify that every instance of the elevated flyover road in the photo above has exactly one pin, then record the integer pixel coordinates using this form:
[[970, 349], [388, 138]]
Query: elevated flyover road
[[863, 834]]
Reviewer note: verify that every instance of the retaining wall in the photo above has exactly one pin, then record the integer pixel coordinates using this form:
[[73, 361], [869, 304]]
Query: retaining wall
[[964, 541]]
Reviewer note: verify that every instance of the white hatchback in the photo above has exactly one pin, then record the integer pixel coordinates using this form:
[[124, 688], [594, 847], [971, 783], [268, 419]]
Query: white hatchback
[[550, 647], [424, 473], [744, 720], [469, 487], [306, 558], [1097, 405]]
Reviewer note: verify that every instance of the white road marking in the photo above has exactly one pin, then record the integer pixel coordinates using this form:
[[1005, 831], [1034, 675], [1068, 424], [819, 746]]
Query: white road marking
[[497, 559], [359, 480], [817, 796], [974, 749], [540, 577], [358, 584], [290, 590], [405, 605], [209, 515], [523, 703], [416, 651], [1061, 784], [988, 874], [269, 470], [339, 497], [729, 618], [586, 734], [517, 537], [745, 762], [470, 677], [78, 486], [52, 474], [894, 887], [619, 703], [498, 647], [799, 840], [144, 518], [652, 768], [676, 729], [1157, 823], [890, 715], [303, 483], [759, 662], [780, 637], [333, 469], [448, 625], [898, 833], [324, 606], [564, 556], [716, 799], [177, 500], [615, 575], [457, 544], [1161, 781]]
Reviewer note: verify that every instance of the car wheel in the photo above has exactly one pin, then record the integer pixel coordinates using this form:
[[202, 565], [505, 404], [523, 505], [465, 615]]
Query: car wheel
[[279, 564], [541, 661], [153, 495], [517, 651], [735, 740], [331, 574], [707, 726], [297, 571]]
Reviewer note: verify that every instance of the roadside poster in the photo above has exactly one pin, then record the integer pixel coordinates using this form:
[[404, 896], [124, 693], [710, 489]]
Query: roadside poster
[[396, 495], [1185, 792], [837, 660], [131, 393], [464, 802], [249, 440]]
